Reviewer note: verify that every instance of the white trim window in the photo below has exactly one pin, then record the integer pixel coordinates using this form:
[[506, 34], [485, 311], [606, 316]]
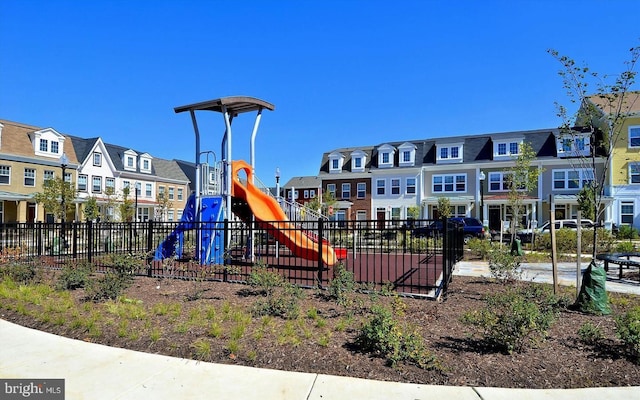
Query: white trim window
[[346, 190], [29, 177], [573, 145], [411, 186], [381, 187], [634, 137], [570, 179], [453, 183], [385, 156], [450, 153], [506, 149], [498, 181], [634, 173], [82, 183], [180, 194], [395, 186], [148, 190], [5, 175], [626, 212], [48, 174], [44, 145], [96, 184], [358, 161], [336, 161], [97, 159], [171, 193], [331, 189], [361, 190], [407, 154], [110, 183]]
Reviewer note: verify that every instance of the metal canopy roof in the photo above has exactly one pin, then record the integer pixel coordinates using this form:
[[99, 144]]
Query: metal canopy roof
[[234, 105]]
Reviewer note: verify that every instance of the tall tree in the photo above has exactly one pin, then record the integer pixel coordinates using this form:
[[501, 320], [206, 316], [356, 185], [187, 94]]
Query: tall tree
[[54, 191], [603, 102]]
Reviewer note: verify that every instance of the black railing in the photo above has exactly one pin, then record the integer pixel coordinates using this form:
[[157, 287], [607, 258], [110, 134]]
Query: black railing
[[412, 257]]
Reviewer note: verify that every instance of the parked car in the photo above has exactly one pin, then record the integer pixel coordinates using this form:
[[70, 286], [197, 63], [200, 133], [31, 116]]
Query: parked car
[[472, 227], [525, 235]]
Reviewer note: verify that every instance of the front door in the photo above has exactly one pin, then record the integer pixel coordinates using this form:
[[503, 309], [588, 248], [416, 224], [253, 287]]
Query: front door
[[380, 217], [494, 219]]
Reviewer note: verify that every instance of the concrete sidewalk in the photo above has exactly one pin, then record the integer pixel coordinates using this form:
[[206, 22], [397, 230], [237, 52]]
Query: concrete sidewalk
[[93, 371], [96, 372]]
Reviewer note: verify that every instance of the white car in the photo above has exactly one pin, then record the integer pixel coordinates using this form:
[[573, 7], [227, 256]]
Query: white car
[[526, 234]]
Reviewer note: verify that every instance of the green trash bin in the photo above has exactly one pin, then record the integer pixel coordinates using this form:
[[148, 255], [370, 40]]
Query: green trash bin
[[516, 247]]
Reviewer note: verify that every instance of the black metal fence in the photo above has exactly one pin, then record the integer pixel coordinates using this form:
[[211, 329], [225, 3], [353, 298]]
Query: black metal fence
[[407, 256]]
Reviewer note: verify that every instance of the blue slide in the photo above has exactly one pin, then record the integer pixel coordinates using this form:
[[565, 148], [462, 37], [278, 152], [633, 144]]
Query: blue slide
[[211, 241]]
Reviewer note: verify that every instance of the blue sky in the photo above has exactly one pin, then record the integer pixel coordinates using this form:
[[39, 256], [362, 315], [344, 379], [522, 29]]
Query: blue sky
[[340, 73]]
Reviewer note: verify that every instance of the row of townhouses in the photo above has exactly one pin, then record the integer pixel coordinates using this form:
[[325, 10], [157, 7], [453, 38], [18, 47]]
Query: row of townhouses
[[30, 155], [383, 182]]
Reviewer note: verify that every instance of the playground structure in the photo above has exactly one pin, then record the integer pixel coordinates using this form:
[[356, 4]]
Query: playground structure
[[226, 194]]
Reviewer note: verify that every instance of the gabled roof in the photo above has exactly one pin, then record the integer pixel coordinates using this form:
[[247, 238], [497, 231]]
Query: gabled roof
[[16, 141], [83, 147], [346, 153], [117, 155], [610, 103], [303, 182]]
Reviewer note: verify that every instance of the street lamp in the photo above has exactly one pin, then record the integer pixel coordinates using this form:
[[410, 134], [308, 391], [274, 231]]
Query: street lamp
[[277, 182], [482, 178], [64, 162], [135, 215]]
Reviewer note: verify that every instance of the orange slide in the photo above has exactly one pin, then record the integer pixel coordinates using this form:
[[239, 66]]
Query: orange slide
[[270, 216]]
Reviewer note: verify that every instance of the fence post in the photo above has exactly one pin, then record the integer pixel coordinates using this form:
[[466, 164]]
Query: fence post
[[39, 238], [89, 226], [445, 252], [320, 251], [225, 251], [150, 236], [74, 240]]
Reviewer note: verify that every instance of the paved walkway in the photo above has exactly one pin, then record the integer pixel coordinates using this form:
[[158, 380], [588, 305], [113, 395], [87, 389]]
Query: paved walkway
[[96, 372]]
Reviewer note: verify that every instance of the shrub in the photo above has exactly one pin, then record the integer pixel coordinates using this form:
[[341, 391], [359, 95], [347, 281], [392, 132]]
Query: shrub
[[342, 285], [628, 329], [625, 247], [108, 287], [627, 232], [74, 276], [282, 303], [504, 266], [480, 247], [265, 280], [567, 240], [514, 319], [19, 272], [589, 333], [385, 337]]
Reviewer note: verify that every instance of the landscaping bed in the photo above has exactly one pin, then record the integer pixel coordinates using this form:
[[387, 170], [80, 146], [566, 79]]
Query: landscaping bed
[[218, 322]]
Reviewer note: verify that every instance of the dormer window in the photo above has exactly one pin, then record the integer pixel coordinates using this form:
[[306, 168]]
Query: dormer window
[[358, 161], [130, 160], [47, 143], [506, 149], [145, 163], [449, 153], [407, 155], [385, 156], [336, 160], [574, 144]]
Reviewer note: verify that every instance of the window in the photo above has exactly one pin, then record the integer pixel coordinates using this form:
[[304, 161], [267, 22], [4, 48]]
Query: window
[[48, 175], [96, 184], [170, 193], [346, 190], [571, 179], [566, 144], [385, 158], [580, 144], [180, 193], [357, 162], [54, 147], [449, 153], [395, 186], [97, 159], [161, 191], [126, 184], [170, 215], [148, 190], [634, 136], [449, 183], [380, 186], [362, 190], [331, 188], [312, 193], [454, 152], [305, 194], [130, 163], [411, 186], [406, 156], [82, 183], [634, 173], [146, 165], [5, 175], [335, 164], [67, 177], [29, 177], [138, 188], [395, 216], [502, 149], [498, 182], [44, 145], [626, 212], [110, 183], [444, 152], [179, 215], [514, 148]]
